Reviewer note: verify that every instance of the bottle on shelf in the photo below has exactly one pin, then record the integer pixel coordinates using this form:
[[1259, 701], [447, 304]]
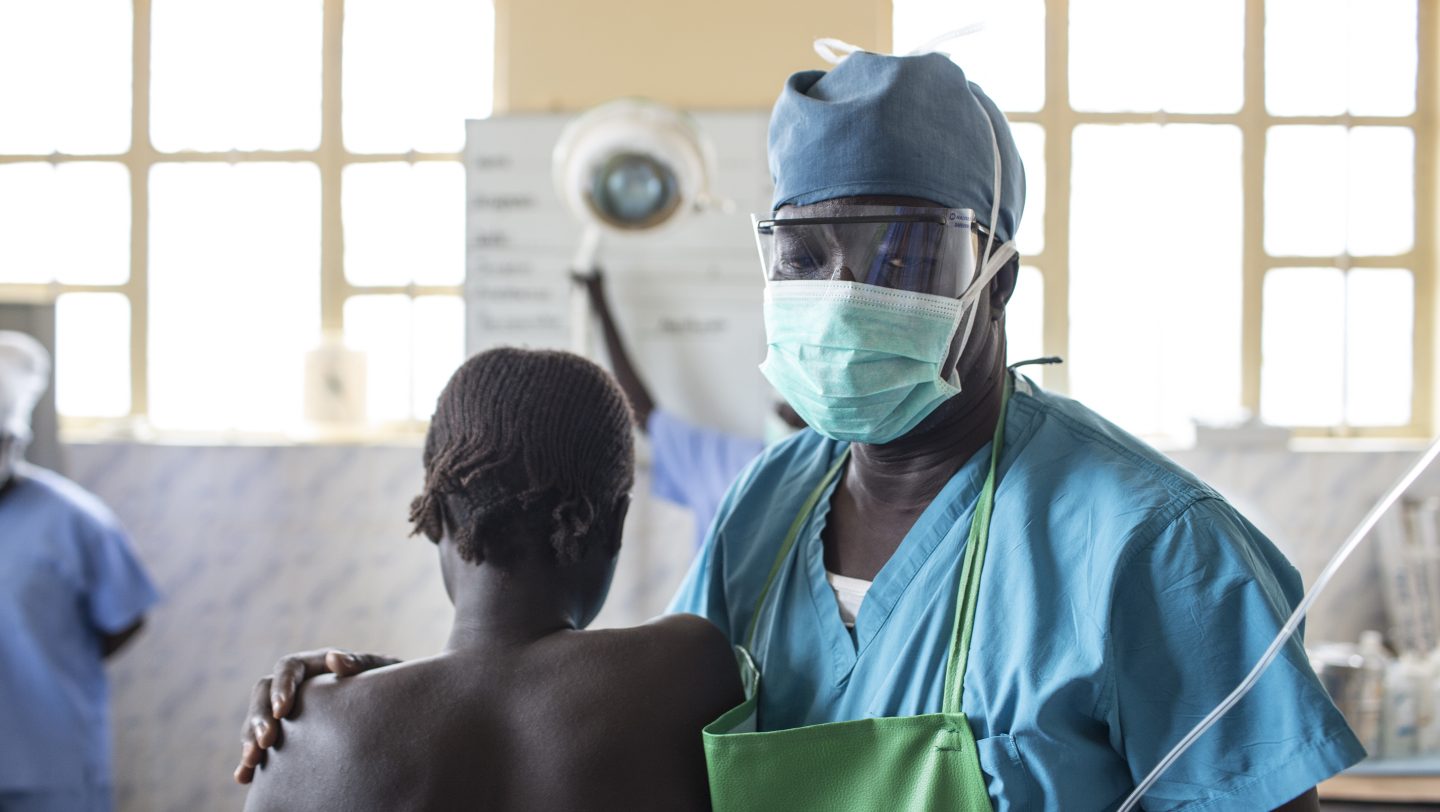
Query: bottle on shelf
[[1370, 696], [1405, 684]]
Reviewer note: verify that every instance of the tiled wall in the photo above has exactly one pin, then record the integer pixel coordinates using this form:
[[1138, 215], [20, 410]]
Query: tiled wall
[[261, 551]]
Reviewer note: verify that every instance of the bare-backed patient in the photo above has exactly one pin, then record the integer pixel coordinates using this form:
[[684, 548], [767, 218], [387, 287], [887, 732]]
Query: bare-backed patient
[[529, 462]]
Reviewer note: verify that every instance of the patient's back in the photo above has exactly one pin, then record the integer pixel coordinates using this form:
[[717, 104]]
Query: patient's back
[[580, 720]]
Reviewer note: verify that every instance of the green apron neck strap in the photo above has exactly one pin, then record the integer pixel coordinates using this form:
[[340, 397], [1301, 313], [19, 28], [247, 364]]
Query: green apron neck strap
[[974, 562], [790, 538]]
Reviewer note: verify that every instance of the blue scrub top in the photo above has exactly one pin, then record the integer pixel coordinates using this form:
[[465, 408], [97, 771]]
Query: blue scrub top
[[694, 467], [1121, 600], [67, 576]]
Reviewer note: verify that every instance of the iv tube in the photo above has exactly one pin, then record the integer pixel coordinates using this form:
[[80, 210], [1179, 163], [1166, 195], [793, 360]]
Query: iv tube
[[1358, 535]]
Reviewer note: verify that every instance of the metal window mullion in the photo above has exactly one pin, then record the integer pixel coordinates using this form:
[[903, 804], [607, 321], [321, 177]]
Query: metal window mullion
[[1252, 174], [48, 291], [331, 162], [413, 291], [391, 157], [1058, 121], [62, 157], [238, 156], [1245, 116], [1248, 114], [1407, 261], [1342, 120], [1155, 117], [139, 160], [1427, 199]]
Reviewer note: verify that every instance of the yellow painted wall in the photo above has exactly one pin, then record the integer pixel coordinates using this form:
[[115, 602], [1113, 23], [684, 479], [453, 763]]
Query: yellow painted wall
[[554, 55]]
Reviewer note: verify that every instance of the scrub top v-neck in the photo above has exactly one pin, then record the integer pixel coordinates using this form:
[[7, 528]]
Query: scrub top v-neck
[[947, 517], [930, 761]]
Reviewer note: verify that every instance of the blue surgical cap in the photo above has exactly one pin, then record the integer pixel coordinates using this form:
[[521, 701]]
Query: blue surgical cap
[[894, 125]]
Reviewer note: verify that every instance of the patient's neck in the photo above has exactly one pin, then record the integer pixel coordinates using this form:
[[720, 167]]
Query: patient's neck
[[503, 608]]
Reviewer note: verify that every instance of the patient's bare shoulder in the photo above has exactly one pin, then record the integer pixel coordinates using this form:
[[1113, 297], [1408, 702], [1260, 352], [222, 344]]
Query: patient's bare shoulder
[[697, 637], [617, 712], [687, 659], [280, 782], [347, 742]]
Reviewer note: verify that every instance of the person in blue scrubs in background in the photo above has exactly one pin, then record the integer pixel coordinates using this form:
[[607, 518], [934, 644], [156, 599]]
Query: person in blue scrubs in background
[[690, 465], [72, 593], [1120, 598]]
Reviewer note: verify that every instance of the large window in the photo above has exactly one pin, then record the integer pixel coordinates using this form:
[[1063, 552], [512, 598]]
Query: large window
[[1223, 203], [208, 188]]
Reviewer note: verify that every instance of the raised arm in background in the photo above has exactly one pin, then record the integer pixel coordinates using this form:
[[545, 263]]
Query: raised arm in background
[[640, 400]]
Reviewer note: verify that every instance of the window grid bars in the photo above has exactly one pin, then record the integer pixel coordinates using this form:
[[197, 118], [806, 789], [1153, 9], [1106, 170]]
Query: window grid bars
[[1056, 116], [1059, 120], [330, 157]]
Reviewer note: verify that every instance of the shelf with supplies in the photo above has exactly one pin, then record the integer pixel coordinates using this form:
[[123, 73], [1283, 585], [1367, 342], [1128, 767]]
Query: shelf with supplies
[[1388, 684], [1395, 780]]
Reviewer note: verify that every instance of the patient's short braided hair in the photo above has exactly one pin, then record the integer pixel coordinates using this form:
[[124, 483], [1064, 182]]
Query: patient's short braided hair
[[526, 444]]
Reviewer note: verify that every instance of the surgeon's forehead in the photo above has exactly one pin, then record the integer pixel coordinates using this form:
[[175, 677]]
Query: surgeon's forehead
[[837, 206]]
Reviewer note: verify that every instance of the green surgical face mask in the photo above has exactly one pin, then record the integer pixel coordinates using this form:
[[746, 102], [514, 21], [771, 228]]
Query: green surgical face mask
[[862, 363]]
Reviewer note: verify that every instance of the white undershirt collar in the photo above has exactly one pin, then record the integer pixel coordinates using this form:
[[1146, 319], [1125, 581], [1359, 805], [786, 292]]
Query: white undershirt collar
[[849, 594]]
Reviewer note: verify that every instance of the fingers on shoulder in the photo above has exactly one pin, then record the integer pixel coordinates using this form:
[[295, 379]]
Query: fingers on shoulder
[[258, 714], [347, 663]]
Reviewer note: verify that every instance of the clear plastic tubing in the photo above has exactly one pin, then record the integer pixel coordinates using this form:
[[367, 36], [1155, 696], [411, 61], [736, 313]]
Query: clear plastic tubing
[[1366, 525]]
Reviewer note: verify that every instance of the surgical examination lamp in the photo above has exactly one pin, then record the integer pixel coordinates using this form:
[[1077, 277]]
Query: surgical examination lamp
[[624, 169]]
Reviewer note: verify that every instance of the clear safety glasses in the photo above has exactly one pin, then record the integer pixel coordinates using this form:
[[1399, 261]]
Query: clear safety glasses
[[923, 250]]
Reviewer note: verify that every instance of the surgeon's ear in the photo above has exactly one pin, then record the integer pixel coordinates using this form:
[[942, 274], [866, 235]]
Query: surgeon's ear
[[1002, 287]]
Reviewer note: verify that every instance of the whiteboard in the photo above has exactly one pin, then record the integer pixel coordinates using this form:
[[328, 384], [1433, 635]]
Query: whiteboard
[[687, 297]]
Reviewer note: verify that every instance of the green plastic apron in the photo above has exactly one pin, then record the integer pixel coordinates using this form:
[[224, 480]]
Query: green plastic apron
[[909, 762]]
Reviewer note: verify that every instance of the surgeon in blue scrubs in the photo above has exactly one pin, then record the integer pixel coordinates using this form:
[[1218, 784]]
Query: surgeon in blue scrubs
[[72, 593], [1120, 599]]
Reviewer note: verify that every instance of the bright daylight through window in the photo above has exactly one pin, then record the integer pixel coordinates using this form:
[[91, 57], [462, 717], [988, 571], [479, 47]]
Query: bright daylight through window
[[1231, 229], [203, 232]]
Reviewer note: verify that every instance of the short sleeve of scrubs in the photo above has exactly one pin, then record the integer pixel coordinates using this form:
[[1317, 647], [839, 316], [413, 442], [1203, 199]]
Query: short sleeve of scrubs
[[694, 466], [702, 592], [118, 591], [1192, 613]]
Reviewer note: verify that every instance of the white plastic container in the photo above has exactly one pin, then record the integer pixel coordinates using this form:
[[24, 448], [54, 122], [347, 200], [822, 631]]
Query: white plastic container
[[1401, 582], [1370, 699], [1429, 736], [1405, 682]]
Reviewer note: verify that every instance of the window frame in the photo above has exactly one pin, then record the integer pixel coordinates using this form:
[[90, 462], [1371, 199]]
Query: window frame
[[331, 157], [1059, 121], [1056, 117]]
